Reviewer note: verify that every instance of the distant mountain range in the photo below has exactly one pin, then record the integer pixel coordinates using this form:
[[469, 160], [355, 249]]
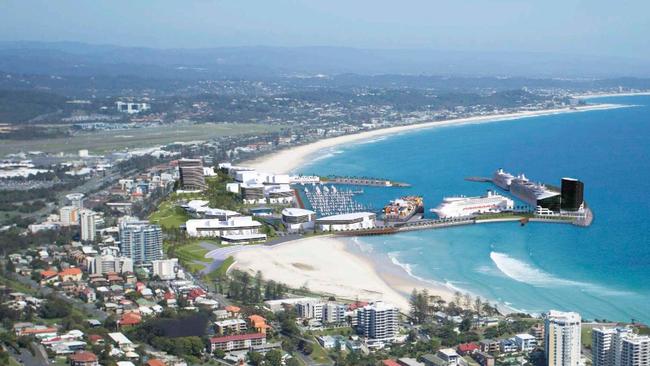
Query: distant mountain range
[[79, 59]]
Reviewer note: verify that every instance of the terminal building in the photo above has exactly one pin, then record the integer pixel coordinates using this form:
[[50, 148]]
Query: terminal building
[[298, 219], [346, 222], [241, 229]]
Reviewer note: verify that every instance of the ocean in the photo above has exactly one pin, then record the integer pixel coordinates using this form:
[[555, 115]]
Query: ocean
[[602, 271]]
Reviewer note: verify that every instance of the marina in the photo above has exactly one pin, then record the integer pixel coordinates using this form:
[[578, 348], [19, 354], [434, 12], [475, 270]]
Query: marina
[[328, 200]]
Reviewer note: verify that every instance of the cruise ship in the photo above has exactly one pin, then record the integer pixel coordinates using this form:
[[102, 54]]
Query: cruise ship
[[535, 194], [502, 179], [453, 207]]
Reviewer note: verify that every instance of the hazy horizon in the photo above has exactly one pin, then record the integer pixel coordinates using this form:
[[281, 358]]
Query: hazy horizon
[[585, 28]]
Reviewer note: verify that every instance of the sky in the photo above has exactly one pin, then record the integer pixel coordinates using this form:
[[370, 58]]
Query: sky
[[586, 27]]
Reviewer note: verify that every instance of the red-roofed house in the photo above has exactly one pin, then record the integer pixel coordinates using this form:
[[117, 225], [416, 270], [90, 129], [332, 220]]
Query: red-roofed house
[[467, 348], [70, 275], [237, 342], [38, 330], [155, 362], [195, 292], [390, 362], [83, 358], [96, 339], [258, 323], [129, 319], [48, 276]]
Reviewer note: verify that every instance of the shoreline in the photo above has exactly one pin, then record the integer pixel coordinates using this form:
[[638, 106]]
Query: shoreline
[[603, 95], [310, 261], [395, 278], [287, 160]]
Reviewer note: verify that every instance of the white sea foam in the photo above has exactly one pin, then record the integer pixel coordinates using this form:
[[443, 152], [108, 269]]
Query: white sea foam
[[523, 272]]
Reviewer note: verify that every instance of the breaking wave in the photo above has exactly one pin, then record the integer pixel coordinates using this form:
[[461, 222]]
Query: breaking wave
[[523, 272]]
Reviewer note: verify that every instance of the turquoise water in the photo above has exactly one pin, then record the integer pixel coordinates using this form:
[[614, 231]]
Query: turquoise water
[[602, 271]]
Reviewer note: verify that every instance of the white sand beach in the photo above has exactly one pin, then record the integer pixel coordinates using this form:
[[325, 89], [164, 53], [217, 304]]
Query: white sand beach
[[288, 160], [324, 265]]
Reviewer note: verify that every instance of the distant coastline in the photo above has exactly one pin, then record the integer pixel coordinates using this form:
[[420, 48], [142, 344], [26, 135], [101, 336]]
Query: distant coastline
[[603, 95], [287, 160]]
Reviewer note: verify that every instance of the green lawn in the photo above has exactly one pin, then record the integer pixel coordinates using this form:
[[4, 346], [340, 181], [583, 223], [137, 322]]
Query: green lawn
[[334, 331], [320, 354], [222, 269], [189, 254], [169, 215], [586, 335]]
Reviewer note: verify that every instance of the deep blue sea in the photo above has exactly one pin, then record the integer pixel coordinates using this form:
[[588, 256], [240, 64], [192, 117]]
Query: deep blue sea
[[602, 271]]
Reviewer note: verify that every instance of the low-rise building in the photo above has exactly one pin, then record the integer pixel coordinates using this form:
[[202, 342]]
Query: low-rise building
[[347, 222], [230, 326], [83, 358], [298, 219], [231, 230], [525, 342], [237, 342]]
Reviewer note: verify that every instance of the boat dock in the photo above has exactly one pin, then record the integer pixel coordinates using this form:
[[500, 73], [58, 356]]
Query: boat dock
[[362, 181]]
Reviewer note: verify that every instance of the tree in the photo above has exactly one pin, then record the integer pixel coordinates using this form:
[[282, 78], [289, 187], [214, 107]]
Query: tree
[[255, 358], [273, 358], [308, 348], [465, 325], [219, 353], [478, 305], [292, 362]]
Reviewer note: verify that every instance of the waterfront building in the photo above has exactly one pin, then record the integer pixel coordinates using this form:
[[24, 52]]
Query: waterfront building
[[233, 230], [281, 194], [298, 219], [88, 225], [191, 174], [562, 334], [252, 193], [108, 263], [333, 313], [454, 207], [378, 321], [165, 269], [141, 241], [346, 222], [310, 309], [69, 215], [572, 194]]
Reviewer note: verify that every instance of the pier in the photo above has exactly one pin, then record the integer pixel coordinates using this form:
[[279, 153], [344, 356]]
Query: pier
[[361, 181], [427, 224]]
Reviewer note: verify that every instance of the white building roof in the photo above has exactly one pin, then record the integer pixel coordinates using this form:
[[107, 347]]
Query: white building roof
[[291, 211], [119, 338], [347, 216]]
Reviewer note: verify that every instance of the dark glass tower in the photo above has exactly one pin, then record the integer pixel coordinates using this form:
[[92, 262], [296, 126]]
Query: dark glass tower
[[572, 194]]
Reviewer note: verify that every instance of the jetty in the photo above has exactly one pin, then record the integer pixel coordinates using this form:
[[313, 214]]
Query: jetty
[[362, 181], [427, 224]]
